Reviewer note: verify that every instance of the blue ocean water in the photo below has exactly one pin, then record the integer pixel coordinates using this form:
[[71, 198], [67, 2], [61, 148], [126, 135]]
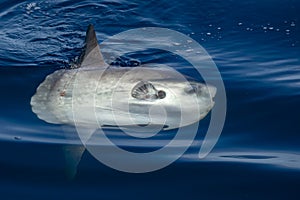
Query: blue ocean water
[[256, 47]]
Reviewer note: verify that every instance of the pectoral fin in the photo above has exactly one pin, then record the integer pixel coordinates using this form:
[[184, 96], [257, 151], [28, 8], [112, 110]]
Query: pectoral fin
[[144, 91]]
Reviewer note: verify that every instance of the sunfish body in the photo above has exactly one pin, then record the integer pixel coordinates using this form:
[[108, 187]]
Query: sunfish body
[[120, 96], [115, 97]]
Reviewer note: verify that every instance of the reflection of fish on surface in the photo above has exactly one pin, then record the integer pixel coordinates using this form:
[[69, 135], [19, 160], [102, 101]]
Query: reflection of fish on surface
[[111, 97]]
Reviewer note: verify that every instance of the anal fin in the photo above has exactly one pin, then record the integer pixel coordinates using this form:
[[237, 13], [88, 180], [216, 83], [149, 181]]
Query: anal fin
[[74, 150], [73, 154]]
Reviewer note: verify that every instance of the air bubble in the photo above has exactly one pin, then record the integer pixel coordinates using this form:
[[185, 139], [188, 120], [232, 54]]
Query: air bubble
[[240, 23], [176, 43], [208, 33], [30, 5]]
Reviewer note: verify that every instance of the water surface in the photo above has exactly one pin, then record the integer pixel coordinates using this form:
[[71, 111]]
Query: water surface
[[256, 47]]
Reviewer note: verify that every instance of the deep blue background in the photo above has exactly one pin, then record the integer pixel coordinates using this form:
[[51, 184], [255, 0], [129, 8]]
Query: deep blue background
[[256, 46]]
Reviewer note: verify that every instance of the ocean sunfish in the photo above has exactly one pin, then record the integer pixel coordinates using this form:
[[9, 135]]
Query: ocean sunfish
[[113, 91], [120, 97]]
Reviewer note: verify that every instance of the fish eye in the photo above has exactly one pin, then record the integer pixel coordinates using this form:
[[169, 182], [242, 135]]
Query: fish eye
[[192, 89], [161, 94]]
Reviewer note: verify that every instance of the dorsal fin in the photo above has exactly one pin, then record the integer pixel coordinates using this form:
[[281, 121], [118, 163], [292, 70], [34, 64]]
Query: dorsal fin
[[91, 55]]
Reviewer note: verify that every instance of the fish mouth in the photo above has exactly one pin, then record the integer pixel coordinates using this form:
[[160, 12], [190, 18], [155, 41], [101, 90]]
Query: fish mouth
[[212, 91]]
